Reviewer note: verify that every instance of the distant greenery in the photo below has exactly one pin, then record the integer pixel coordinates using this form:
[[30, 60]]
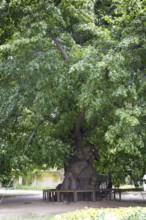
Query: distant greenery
[[29, 187]]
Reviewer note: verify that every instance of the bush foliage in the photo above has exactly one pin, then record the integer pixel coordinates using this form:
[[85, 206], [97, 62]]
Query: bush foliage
[[130, 213]]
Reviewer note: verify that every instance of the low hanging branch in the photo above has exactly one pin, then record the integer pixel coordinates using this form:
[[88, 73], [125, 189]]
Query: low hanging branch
[[34, 133], [58, 45]]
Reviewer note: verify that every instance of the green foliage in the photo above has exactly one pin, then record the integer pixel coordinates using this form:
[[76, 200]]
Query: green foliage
[[138, 214], [41, 94], [131, 213]]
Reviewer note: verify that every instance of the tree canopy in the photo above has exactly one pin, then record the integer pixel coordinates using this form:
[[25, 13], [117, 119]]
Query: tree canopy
[[68, 66]]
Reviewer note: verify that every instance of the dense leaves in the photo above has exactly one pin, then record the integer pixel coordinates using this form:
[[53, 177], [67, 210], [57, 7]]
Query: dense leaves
[[60, 58]]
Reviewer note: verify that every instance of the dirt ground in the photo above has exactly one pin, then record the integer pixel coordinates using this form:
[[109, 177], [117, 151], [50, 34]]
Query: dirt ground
[[24, 203]]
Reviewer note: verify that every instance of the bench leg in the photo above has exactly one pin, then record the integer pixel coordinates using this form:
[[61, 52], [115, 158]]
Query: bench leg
[[114, 195], [44, 195], [47, 196], [58, 196], [75, 195], [110, 195], [93, 196], [120, 196]]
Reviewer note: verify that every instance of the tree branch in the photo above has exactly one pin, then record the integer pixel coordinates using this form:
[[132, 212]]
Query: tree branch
[[58, 45], [33, 134]]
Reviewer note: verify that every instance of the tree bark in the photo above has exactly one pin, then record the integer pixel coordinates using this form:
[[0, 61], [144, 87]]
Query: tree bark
[[58, 45], [80, 174], [79, 131]]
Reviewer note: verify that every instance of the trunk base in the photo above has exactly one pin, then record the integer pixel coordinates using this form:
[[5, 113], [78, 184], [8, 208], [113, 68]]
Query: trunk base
[[81, 175]]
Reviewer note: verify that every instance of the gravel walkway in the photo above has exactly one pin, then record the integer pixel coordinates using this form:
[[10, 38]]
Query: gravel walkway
[[25, 203]]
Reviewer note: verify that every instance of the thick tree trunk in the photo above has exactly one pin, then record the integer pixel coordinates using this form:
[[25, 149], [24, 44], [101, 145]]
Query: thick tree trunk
[[80, 173]]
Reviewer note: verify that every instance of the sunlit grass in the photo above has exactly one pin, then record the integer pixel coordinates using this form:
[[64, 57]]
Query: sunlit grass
[[129, 187]]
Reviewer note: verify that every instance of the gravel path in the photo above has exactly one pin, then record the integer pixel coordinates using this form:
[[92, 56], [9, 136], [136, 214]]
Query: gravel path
[[25, 203]]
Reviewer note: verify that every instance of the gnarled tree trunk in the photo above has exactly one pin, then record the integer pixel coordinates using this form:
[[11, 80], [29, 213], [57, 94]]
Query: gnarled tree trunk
[[80, 174]]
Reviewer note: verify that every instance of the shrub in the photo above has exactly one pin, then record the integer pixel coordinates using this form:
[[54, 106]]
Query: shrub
[[138, 214], [130, 213]]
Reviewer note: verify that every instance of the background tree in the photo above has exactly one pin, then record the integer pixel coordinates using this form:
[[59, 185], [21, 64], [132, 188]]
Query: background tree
[[72, 77]]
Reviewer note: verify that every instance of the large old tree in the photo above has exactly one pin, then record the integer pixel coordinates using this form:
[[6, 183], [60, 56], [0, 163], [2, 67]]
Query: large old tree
[[72, 84]]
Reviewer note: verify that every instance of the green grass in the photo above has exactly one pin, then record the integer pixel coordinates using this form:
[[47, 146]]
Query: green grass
[[25, 187], [28, 187], [128, 187]]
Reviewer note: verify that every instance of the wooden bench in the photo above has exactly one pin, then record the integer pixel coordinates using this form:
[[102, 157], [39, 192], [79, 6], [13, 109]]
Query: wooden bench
[[53, 195], [119, 191]]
